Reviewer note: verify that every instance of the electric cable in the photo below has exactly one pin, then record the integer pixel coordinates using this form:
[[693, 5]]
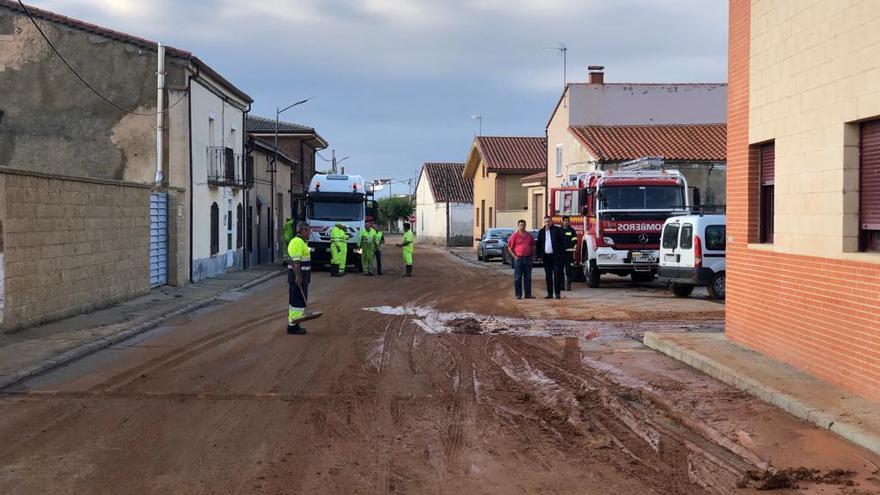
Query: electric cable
[[83, 80]]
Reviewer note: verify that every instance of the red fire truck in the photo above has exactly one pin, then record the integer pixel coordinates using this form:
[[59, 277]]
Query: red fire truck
[[619, 216]]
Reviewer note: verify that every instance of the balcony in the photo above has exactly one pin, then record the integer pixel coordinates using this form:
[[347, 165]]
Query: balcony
[[225, 168]]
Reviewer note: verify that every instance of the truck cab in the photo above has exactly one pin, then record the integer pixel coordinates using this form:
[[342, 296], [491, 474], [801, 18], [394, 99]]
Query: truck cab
[[333, 199], [622, 215]]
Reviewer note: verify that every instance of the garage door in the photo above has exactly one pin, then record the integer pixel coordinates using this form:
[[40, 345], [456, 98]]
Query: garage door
[[158, 239]]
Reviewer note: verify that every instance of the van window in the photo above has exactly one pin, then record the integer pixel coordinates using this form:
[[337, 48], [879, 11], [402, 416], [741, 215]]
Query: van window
[[670, 236], [687, 236], [716, 237]]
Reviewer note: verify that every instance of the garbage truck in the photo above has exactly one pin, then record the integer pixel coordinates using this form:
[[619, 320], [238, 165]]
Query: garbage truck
[[338, 199]]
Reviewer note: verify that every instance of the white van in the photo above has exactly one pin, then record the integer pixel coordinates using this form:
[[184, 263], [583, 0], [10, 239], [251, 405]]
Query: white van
[[692, 249]]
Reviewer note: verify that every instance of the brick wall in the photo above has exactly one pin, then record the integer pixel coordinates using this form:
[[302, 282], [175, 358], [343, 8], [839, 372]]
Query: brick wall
[[820, 314], [70, 245]]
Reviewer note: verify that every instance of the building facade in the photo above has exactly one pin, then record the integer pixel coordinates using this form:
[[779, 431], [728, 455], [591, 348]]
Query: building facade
[[496, 164], [803, 282], [52, 125], [597, 103], [263, 226], [444, 205]]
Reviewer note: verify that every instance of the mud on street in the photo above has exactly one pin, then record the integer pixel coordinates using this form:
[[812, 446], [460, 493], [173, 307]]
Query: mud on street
[[441, 383]]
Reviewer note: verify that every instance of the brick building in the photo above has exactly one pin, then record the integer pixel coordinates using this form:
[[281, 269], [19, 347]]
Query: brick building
[[803, 188]]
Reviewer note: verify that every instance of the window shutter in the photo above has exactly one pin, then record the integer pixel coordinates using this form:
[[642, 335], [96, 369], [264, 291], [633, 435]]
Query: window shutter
[[870, 175], [768, 164]]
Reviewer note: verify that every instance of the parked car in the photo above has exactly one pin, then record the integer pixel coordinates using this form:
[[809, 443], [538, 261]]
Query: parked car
[[507, 259], [692, 254], [493, 243]]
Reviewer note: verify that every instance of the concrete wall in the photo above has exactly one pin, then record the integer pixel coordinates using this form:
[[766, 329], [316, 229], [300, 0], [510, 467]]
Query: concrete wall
[[45, 107], [484, 198], [801, 73], [431, 219], [228, 129], [69, 245]]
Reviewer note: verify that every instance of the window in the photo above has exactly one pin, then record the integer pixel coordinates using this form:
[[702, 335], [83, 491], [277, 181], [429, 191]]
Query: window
[[336, 211], [869, 185], [670, 236], [767, 177], [215, 229], [687, 236], [491, 218], [558, 159], [211, 132], [641, 198], [716, 238], [477, 219]]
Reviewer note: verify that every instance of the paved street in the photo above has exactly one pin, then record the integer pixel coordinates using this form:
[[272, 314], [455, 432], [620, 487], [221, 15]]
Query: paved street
[[412, 396]]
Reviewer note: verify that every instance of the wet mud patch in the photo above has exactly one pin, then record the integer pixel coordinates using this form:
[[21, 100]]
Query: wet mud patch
[[792, 477], [434, 321]]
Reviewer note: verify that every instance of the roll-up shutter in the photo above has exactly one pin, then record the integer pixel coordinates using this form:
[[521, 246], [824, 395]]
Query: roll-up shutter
[[870, 175]]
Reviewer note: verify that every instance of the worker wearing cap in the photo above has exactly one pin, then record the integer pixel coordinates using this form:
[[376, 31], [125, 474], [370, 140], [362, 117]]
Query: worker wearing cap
[[570, 238], [367, 243], [338, 250], [407, 247], [298, 278]]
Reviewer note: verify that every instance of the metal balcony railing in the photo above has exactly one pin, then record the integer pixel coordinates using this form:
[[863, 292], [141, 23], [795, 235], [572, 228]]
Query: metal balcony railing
[[225, 168]]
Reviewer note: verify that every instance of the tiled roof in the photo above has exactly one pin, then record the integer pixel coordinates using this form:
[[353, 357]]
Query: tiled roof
[[448, 184], [124, 37], [673, 142], [264, 125], [513, 154]]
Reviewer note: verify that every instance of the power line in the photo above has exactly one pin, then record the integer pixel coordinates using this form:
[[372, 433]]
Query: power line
[[83, 80]]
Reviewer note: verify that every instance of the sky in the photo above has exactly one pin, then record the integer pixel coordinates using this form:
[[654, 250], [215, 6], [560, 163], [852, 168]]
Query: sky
[[396, 83]]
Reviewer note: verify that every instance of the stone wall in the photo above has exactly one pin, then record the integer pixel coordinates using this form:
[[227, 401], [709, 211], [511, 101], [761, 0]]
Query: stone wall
[[69, 245]]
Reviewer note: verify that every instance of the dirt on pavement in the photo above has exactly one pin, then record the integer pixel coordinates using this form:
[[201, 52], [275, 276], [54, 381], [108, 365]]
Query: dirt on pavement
[[391, 401]]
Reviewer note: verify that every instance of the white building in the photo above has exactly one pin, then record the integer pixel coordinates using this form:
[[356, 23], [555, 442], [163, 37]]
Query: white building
[[597, 103], [444, 205]]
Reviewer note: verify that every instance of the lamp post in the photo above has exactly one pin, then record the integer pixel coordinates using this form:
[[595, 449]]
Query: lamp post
[[274, 168]]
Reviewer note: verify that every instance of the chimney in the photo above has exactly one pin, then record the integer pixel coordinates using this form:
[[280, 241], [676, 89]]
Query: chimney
[[596, 74]]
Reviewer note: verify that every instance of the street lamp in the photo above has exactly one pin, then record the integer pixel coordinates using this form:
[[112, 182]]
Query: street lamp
[[273, 169]]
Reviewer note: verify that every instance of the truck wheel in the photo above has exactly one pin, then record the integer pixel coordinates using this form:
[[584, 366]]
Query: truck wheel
[[642, 277], [591, 274], [716, 286], [682, 290], [480, 255]]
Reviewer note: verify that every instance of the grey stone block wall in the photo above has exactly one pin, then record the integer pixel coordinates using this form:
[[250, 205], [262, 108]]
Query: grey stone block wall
[[70, 245]]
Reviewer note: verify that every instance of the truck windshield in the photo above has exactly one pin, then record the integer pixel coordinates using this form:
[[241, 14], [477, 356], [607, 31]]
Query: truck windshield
[[641, 198], [340, 211]]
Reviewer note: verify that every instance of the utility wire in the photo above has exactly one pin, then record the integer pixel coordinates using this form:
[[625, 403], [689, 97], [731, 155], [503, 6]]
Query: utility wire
[[83, 80]]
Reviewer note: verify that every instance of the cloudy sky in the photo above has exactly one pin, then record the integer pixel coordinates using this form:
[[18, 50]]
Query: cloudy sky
[[396, 82]]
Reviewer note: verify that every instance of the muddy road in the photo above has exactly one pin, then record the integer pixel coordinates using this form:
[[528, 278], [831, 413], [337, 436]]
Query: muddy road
[[434, 384]]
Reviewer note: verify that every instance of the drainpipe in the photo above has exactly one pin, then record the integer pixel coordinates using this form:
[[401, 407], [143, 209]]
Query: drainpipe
[[447, 222], [160, 115], [191, 181]]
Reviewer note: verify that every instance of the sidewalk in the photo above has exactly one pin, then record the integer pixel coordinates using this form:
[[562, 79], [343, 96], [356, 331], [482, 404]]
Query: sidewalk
[[36, 350], [820, 403]]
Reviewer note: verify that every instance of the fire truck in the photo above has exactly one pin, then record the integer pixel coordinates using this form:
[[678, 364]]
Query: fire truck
[[619, 217]]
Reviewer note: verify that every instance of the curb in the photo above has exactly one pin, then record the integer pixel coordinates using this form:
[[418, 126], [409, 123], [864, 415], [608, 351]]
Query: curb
[[87, 348], [838, 425]]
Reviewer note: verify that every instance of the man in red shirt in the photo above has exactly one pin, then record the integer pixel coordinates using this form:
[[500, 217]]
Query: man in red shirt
[[521, 245]]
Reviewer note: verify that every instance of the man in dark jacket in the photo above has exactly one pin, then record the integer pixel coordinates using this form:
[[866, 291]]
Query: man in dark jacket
[[571, 238], [551, 247]]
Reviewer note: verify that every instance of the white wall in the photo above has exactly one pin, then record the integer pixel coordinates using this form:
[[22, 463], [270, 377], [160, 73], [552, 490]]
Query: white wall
[[619, 104], [431, 218], [227, 118]]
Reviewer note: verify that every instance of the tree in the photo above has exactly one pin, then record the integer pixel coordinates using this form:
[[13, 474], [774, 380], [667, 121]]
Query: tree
[[393, 209]]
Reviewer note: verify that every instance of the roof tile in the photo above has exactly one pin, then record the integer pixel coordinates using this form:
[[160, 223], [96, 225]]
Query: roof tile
[[513, 154], [448, 183], [698, 142]]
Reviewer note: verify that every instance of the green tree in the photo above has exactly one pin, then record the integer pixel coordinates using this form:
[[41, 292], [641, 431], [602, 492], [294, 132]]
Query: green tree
[[393, 209]]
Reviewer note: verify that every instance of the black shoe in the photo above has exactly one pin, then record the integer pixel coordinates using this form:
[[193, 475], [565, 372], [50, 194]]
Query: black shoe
[[296, 330], [548, 296], [530, 296], [519, 297], [558, 296]]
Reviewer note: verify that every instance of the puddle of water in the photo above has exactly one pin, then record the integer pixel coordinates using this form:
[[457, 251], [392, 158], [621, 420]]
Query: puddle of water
[[434, 321]]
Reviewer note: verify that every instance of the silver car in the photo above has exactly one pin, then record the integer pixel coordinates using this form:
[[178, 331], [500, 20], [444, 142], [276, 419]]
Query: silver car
[[493, 243]]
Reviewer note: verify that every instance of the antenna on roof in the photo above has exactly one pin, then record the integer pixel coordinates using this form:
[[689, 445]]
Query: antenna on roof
[[563, 50], [478, 130]]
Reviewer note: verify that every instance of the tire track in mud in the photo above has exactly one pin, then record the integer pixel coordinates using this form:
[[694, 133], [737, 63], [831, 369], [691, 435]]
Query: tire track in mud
[[179, 355]]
